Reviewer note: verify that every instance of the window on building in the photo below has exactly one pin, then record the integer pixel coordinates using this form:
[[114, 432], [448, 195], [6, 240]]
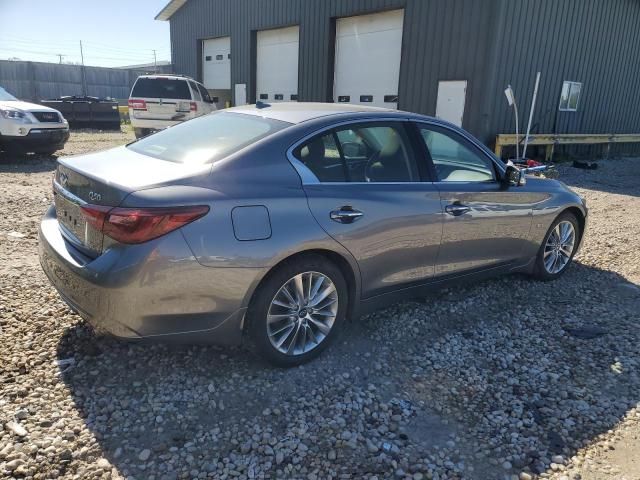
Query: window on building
[[570, 96]]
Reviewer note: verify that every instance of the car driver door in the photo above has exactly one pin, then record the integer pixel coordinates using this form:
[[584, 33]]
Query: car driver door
[[485, 225], [367, 191]]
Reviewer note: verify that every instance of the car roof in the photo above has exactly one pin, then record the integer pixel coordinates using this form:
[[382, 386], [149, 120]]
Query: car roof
[[172, 76], [297, 112]]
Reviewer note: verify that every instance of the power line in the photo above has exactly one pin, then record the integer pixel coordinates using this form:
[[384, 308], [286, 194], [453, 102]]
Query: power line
[[93, 46], [147, 57]]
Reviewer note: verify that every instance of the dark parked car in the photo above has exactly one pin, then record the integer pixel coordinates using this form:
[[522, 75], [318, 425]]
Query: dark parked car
[[279, 222]]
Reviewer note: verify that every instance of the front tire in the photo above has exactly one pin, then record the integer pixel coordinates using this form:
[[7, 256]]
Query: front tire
[[558, 247], [298, 311]]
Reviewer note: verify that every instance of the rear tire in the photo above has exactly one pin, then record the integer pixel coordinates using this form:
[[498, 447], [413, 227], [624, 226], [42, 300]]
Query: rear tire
[[288, 331], [558, 247]]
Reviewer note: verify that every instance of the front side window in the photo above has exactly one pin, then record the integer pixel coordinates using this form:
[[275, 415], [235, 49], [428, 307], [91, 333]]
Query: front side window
[[570, 96], [208, 138], [454, 161], [361, 153]]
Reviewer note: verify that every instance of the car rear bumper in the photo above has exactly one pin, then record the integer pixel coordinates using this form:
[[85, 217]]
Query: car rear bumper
[[155, 290], [38, 139], [154, 124]]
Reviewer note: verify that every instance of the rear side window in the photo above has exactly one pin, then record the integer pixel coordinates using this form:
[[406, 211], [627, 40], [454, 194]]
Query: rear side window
[[204, 93], [322, 157], [161, 88], [196, 92], [373, 153], [208, 138]]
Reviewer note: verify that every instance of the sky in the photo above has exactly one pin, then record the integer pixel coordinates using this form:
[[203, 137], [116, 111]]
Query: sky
[[113, 32]]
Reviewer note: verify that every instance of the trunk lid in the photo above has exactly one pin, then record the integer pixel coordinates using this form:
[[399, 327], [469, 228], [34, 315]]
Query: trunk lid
[[106, 178]]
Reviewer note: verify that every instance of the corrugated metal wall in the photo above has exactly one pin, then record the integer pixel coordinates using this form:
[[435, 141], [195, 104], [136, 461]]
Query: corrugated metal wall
[[38, 80], [489, 43], [594, 42]]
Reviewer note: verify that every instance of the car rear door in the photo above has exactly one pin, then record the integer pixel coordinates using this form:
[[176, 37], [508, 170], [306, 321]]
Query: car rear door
[[485, 225], [367, 190]]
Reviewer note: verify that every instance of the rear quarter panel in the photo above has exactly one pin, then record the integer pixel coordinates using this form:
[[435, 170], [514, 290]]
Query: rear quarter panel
[[258, 177]]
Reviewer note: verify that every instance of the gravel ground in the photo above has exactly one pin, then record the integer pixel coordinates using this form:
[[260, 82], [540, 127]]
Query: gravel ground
[[507, 378]]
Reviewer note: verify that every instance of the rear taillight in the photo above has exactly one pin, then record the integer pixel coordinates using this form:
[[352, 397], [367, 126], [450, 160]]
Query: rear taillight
[[194, 107], [138, 225], [137, 104]]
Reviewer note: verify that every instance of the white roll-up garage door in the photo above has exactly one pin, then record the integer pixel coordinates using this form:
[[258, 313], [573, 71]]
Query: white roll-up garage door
[[216, 63], [277, 64], [367, 65]]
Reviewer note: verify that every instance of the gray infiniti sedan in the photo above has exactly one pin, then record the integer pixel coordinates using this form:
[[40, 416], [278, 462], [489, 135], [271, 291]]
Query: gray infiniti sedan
[[276, 223]]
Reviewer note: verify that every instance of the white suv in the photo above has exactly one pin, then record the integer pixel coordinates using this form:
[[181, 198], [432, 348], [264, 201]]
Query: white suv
[[159, 101], [29, 127]]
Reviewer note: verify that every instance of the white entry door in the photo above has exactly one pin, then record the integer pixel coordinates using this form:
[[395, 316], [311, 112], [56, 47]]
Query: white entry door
[[277, 64], [216, 63], [451, 99], [367, 65]]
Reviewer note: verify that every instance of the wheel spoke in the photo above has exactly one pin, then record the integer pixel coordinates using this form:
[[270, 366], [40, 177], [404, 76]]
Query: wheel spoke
[[284, 337], [324, 313], [325, 303], [322, 295], [287, 293], [287, 326], [303, 331], [278, 316], [567, 250], [312, 335], [299, 288], [316, 286], [294, 340], [321, 326]]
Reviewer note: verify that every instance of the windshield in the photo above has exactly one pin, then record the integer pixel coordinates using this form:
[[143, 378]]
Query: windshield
[[207, 139], [174, 88], [6, 96]]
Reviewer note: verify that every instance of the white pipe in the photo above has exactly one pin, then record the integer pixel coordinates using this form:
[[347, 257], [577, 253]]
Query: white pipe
[[511, 98], [515, 112], [533, 106]]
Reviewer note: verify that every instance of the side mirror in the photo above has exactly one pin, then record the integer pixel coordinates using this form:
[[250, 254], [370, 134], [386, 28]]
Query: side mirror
[[513, 177]]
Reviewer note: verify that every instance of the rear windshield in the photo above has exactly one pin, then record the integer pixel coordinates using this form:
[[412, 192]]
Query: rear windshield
[[161, 88], [207, 139]]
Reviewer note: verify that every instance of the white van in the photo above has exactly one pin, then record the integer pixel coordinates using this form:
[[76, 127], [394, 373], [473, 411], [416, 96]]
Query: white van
[[159, 101]]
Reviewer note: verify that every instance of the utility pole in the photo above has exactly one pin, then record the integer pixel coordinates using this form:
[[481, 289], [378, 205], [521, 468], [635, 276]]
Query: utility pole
[[60, 55], [84, 78], [155, 62]]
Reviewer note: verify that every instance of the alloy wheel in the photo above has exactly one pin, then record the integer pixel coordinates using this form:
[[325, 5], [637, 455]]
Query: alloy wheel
[[559, 247], [302, 313]]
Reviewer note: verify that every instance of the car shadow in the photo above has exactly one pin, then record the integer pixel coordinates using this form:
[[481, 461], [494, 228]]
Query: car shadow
[[503, 364]]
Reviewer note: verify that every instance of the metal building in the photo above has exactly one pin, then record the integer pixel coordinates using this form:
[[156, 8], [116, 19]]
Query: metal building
[[450, 58]]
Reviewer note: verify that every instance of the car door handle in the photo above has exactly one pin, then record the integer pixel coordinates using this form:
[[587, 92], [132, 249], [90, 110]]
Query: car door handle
[[456, 209], [345, 214]]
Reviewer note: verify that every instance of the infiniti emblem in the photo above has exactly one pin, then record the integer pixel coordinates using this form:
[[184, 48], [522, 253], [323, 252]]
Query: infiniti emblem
[[95, 197]]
